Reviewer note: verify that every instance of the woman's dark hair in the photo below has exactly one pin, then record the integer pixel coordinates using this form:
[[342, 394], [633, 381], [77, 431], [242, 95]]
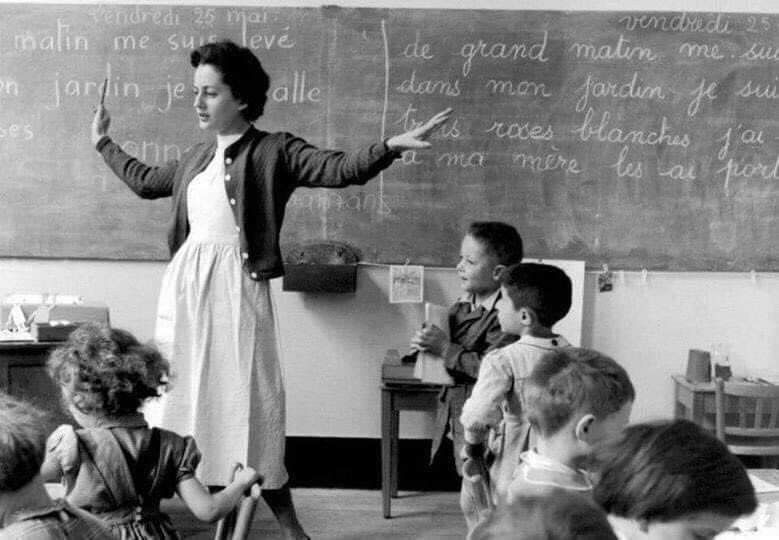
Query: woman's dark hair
[[667, 470], [241, 70], [22, 443], [106, 371]]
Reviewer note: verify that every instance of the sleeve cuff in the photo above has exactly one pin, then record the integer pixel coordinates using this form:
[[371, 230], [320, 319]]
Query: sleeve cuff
[[475, 436], [475, 450], [394, 154], [104, 140], [450, 354]]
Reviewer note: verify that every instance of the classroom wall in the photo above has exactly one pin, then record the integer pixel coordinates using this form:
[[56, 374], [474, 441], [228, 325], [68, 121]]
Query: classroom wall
[[333, 345]]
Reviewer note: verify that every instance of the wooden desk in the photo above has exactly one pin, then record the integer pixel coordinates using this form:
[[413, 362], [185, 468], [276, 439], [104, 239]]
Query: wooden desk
[[399, 392], [694, 401], [772, 477], [23, 375]]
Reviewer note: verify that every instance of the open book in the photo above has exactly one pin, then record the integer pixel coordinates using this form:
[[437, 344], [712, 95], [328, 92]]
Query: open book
[[429, 367]]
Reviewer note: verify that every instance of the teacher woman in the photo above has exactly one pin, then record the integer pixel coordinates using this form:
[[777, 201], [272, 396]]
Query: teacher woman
[[215, 319]]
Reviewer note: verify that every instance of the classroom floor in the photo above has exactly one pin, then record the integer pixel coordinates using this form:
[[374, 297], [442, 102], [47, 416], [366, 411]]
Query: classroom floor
[[343, 514]]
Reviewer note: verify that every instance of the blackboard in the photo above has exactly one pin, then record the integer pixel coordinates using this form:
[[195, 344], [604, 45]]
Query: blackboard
[[641, 140]]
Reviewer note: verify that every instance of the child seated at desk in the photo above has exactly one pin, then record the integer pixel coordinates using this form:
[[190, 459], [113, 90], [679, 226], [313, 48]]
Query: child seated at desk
[[487, 248], [558, 514], [26, 510], [116, 465], [670, 480], [574, 398]]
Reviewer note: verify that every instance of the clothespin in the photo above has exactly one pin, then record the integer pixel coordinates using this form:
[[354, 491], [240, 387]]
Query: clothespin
[[604, 279]]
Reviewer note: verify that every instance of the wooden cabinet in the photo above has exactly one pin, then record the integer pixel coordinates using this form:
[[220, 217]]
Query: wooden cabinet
[[23, 375]]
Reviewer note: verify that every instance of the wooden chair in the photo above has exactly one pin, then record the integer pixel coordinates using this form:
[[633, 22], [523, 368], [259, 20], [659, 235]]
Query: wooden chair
[[747, 419], [237, 524]]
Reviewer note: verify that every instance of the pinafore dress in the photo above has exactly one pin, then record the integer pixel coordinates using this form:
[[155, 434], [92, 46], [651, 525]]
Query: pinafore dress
[[217, 328], [120, 472]]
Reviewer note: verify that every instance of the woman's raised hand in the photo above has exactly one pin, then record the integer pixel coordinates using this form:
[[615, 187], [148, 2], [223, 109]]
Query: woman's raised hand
[[417, 138], [100, 124]]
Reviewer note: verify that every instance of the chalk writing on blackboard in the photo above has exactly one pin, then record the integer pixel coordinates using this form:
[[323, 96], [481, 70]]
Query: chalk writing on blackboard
[[637, 140]]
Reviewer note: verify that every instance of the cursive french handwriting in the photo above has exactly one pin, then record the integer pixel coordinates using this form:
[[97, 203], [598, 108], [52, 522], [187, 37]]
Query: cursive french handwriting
[[520, 88], [632, 89], [623, 49], [59, 39], [602, 131], [529, 50], [683, 22]]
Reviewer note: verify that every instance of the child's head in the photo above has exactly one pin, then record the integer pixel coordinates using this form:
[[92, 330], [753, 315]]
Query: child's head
[[106, 372], [533, 295], [22, 443], [673, 478], [487, 248], [558, 514], [580, 395]]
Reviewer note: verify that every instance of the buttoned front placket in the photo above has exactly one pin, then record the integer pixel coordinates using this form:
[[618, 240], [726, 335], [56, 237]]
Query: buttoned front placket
[[231, 189]]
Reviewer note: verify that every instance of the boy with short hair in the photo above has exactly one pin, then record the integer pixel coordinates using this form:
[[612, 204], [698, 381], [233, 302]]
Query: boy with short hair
[[26, 510], [671, 479], [559, 514], [487, 249], [574, 398], [534, 297]]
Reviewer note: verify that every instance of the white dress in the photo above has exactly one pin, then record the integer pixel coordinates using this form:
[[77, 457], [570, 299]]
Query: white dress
[[217, 328]]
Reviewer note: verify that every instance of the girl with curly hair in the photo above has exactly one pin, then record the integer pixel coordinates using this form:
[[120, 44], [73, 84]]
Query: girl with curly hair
[[116, 466]]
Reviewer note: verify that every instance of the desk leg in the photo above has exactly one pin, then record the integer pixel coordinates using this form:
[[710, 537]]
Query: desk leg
[[679, 408], [394, 445], [386, 450], [698, 412]]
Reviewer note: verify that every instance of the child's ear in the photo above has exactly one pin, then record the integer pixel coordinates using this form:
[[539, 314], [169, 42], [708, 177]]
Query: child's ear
[[584, 427], [497, 272], [526, 316]]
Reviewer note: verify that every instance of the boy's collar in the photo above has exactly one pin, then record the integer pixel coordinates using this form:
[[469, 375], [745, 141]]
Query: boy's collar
[[487, 303], [132, 420], [554, 472], [546, 343]]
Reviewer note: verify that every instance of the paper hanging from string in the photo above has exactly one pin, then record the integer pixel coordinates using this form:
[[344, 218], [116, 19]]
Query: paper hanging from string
[[406, 283]]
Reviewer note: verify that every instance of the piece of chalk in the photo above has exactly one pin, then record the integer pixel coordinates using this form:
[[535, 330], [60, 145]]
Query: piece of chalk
[[103, 91]]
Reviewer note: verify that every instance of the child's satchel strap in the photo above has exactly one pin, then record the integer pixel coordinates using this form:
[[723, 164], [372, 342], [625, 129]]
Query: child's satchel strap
[[105, 456], [147, 459], [148, 462]]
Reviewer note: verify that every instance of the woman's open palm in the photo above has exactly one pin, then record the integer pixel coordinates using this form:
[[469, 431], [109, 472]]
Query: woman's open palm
[[416, 138]]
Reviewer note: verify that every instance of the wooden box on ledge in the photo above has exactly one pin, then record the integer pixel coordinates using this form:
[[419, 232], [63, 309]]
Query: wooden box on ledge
[[325, 267]]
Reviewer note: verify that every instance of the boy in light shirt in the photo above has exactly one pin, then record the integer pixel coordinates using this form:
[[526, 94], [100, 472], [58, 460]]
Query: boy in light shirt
[[534, 297]]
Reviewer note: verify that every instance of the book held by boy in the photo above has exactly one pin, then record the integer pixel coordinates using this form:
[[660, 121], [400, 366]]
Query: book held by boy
[[430, 368]]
